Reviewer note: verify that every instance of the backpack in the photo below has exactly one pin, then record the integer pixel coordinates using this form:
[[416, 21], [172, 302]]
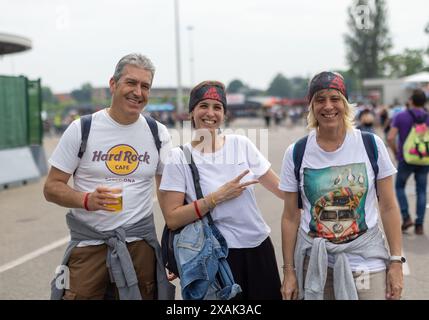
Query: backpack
[[370, 148], [85, 127], [416, 144], [167, 239]]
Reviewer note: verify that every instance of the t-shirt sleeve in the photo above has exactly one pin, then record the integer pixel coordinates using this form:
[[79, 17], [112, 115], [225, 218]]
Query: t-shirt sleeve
[[65, 156], [258, 164], [173, 177], [288, 180], [396, 120], [385, 166], [166, 146]]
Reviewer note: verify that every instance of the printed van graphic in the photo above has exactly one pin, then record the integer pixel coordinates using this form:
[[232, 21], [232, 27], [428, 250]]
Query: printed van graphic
[[337, 196], [121, 159]]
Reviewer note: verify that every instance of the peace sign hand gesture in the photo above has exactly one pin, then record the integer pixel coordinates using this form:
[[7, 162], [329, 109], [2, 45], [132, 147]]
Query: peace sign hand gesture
[[233, 188]]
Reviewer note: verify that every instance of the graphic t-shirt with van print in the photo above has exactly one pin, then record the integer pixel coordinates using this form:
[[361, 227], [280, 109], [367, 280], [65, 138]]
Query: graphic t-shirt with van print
[[338, 191], [337, 196]]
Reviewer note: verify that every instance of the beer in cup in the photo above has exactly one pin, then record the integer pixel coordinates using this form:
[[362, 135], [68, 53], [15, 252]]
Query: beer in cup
[[116, 191]]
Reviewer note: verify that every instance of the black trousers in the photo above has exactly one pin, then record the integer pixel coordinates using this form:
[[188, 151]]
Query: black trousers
[[255, 270]]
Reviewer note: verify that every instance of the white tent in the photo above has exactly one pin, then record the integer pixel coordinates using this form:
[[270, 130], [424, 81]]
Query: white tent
[[11, 43], [417, 78]]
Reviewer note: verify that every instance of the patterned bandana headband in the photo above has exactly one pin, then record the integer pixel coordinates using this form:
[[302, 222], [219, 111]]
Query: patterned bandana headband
[[327, 80], [207, 92]]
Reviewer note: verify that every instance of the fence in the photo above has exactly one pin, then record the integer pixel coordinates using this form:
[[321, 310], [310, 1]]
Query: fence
[[20, 112]]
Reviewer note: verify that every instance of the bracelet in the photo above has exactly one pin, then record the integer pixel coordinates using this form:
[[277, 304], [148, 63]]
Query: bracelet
[[206, 203], [85, 201], [214, 204], [197, 210], [288, 266]]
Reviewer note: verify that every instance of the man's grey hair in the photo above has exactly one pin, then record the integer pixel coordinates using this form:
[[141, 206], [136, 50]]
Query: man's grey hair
[[134, 59]]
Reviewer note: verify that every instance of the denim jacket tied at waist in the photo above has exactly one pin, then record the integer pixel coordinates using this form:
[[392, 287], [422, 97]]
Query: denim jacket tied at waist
[[201, 251]]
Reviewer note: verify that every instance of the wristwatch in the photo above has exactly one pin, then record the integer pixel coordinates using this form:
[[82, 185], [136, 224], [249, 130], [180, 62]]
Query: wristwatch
[[400, 259]]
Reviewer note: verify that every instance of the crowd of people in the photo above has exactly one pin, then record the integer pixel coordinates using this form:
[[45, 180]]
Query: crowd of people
[[337, 184]]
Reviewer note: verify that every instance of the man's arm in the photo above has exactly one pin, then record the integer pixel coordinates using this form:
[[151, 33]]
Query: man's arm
[[391, 139], [57, 190]]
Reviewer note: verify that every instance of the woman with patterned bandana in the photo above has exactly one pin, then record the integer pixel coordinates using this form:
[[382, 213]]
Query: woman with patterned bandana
[[335, 248]]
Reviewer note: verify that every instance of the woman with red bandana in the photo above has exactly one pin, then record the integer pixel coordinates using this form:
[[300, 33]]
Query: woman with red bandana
[[229, 166]]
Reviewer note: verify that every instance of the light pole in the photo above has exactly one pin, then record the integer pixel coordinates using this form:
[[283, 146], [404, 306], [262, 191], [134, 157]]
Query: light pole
[[179, 71], [191, 56]]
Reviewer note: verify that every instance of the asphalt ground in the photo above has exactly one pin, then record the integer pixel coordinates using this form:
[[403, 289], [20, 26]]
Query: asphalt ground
[[33, 233]]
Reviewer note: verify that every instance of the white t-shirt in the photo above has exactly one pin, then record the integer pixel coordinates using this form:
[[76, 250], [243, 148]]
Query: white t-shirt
[[239, 219], [338, 190], [114, 153]]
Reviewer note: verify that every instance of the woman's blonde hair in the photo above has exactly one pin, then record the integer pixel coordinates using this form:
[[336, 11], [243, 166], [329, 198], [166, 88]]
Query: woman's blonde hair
[[349, 114]]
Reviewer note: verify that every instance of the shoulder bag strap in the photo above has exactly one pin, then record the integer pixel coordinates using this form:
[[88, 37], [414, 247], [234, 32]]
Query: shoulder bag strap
[[195, 177]]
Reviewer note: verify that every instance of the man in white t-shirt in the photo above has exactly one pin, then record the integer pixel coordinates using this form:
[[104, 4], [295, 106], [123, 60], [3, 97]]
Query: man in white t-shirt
[[107, 232]]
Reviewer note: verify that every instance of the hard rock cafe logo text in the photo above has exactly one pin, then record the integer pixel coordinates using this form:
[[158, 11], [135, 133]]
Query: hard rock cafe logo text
[[121, 159]]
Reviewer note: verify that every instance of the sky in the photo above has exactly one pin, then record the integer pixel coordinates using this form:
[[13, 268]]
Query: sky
[[81, 41]]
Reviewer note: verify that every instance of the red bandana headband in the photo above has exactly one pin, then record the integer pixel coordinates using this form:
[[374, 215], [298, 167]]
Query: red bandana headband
[[207, 92]]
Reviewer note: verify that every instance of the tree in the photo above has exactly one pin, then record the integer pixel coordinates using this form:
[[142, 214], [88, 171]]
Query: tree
[[48, 96], [299, 87], [427, 32], [49, 101], [401, 65], [280, 87], [255, 92], [84, 94], [235, 86], [368, 41], [353, 84]]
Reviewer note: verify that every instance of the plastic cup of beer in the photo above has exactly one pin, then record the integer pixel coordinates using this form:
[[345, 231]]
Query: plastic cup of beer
[[116, 189]]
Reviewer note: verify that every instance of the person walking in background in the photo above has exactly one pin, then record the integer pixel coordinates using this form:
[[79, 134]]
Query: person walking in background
[[107, 245], [393, 110], [228, 166], [401, 127], [326, 248], [366, 120], [267, 114]]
